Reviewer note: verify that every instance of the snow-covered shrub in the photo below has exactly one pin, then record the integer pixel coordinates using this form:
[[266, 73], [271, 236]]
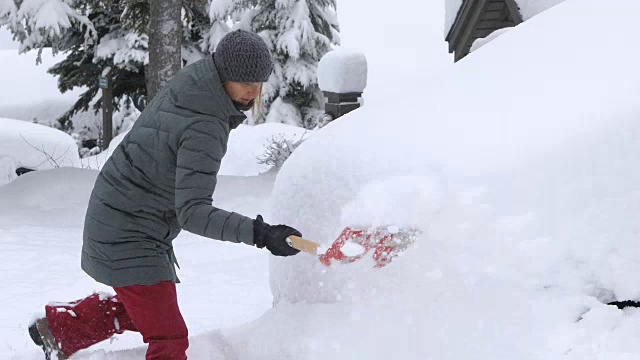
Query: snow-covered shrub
[[278, 150]]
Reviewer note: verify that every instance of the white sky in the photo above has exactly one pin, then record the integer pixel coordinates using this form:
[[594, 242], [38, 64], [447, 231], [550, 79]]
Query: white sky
[[5, 40]]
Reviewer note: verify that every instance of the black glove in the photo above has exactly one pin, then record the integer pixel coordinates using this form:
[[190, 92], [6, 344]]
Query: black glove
[[274, 237]]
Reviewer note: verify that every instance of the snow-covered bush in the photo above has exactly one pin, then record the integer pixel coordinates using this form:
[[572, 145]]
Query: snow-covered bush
[[248, 143], [278, 150]]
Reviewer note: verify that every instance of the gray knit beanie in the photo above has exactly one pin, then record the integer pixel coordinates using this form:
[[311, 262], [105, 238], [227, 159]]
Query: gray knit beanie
[[242, 56]]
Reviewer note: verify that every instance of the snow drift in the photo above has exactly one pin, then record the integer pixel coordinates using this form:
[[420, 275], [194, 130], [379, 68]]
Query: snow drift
[[46, 196]]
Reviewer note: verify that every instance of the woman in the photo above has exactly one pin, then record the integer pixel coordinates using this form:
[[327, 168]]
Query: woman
[[158, 181]]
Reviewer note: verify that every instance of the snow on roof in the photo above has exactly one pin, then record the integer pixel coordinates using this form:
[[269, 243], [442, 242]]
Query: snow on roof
[[528, 9]]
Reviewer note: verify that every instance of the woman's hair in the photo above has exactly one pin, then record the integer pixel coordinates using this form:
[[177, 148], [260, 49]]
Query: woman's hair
[[257, 105]]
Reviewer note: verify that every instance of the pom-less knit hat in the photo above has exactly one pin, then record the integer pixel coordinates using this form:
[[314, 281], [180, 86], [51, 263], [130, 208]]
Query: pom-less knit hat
[[242, 56]]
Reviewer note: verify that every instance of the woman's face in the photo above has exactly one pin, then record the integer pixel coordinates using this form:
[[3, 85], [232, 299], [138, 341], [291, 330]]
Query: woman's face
[[241, 92]]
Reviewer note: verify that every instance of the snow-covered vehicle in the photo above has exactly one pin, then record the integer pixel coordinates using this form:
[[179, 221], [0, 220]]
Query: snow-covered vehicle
[[33, 147], [519, 163]]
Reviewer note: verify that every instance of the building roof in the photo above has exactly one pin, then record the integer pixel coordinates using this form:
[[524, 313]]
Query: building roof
[[528, 9], [477, 19]]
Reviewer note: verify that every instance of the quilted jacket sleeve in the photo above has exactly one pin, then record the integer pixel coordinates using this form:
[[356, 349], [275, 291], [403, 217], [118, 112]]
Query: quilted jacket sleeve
[[200, 152]]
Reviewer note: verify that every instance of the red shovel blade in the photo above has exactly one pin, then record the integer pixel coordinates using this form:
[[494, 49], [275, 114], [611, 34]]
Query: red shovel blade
[[383, 243]]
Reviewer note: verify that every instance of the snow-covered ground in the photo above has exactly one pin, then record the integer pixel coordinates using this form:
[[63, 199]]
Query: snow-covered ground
[[223, 285]]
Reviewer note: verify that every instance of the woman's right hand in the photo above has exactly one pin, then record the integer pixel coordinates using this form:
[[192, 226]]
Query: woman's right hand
[[273, 237]]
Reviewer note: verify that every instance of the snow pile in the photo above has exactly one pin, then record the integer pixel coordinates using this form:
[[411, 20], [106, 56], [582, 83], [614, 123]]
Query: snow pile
[[46, 195], [36, 146], [342, 71]]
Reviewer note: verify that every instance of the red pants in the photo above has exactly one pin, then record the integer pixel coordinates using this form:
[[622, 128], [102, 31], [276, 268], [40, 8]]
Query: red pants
[[151, 310]]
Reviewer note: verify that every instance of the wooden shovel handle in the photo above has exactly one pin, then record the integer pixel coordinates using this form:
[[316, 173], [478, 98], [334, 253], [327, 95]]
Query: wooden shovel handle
[[301, 244]]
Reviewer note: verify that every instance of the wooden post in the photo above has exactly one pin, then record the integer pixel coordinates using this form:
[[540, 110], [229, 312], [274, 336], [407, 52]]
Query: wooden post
[[104, 83], [340, 104]]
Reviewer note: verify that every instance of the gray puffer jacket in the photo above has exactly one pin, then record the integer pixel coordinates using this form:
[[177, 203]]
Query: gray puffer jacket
[[160, 180]]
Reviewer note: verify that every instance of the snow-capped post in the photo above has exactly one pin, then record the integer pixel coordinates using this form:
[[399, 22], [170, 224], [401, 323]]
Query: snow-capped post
[[342, 77], [104, 83]]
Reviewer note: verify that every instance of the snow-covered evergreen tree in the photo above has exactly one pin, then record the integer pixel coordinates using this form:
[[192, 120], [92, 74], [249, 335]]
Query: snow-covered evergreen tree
[[37, 24], [96, 34], [118, 45], [299, 33]]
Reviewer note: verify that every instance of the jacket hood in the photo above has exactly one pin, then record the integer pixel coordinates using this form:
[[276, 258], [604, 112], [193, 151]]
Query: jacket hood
[[198, 88]]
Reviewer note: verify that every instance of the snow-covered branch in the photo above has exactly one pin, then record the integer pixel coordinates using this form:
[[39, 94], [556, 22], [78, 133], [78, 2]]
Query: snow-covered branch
[[42, 23], [7, 11]]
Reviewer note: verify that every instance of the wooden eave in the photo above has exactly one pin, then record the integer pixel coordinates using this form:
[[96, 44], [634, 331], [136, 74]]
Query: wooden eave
[[467, 23]]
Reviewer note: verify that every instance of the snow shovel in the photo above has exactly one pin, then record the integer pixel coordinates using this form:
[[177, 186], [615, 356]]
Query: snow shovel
[[384, 243]]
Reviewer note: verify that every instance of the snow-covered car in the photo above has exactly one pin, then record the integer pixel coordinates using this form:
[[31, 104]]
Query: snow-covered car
[[34, 147], [519, 163]]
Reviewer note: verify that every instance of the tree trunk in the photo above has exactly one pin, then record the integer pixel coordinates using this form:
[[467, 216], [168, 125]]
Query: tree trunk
[[165, 44]]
